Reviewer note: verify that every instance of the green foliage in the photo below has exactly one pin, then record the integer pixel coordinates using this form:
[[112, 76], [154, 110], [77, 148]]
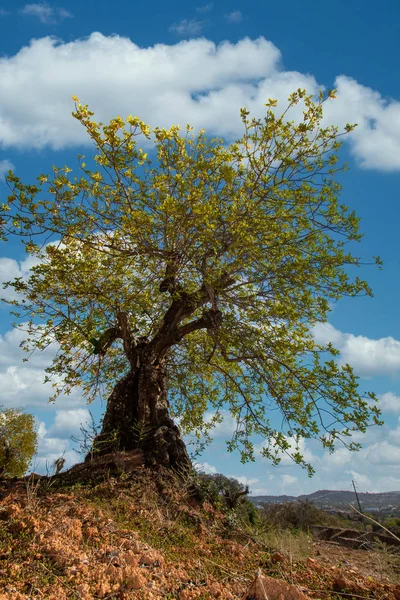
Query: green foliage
[[225, 493], [18, 441], [299, 515], [249, 237], [392, 522], [140, 432]]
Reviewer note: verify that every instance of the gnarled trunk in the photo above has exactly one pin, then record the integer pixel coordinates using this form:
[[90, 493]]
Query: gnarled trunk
[[137, 410], [137, 417]]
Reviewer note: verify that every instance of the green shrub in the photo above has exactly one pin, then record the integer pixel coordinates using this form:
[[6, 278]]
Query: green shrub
[[18, 441], [224, 493], [298, 515]]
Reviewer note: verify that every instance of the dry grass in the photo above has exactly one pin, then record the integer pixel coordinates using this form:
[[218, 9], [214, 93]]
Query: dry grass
[[140, 535], [296, 545]]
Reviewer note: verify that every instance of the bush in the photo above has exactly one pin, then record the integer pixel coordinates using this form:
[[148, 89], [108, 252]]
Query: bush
[[392, 522], [298, 515], [225, 494], [18, 441]]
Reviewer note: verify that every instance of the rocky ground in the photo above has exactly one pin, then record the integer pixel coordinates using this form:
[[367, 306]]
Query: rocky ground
[[143, 535]]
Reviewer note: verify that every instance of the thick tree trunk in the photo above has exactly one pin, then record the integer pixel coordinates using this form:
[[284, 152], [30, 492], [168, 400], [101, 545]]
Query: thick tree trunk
[[137, 410], [137, 417]]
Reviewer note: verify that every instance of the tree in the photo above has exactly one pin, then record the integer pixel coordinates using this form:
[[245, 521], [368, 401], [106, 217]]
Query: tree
[[217, 487], [18, 441], [190, 280]]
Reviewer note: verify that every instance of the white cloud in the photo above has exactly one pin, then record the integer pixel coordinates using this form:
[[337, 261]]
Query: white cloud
[[245, 481], [9, 270], [362, 480], [288, 479], [261, 491], [367, 356], [49, 445], [51, 448], [394, 435], [192, 81], [205, 467], [46, 13], [224, 429], [375, 468], [68, 422], [324, 333], [234, 17], [4, 12], [114, 75], [205, 7], [295, 445], [22, 383], [340, 457], [384, 454], [376, 140], [187, 27], [5, 166], [389, 402]]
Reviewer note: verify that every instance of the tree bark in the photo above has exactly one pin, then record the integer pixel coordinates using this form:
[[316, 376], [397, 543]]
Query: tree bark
[[137, 416], [137, 413]]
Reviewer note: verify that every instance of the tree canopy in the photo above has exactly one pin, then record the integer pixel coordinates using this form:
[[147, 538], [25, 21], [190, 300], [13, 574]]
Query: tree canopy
[[18, 441], [220, 256]]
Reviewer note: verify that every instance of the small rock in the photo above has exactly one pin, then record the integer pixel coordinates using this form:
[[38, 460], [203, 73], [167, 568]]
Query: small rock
[[314, 565], [268, 588], [277, 557]]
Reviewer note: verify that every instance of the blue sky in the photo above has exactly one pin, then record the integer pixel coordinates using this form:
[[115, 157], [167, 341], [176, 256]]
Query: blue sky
[[154, 59]]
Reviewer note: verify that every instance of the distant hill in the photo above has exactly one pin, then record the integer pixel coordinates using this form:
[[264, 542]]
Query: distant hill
[[338, 500]]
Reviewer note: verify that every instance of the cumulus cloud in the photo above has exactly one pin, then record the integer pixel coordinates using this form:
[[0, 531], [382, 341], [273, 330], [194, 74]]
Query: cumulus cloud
[[22, 383], [261, 491], [194, 81], [389, 402], [10, 269], [68, 422], [48, 445], [234, 17], [384, 454], [46, 13], [50, 448], [340, 457], [375, 468], [5, 166], [376, 140], [205, 467], [367, 356], [187, 27], [295, 445], [362, 480], [223, 429]]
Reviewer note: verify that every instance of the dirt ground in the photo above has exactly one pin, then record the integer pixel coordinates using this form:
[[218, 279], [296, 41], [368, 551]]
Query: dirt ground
[[381, 565]]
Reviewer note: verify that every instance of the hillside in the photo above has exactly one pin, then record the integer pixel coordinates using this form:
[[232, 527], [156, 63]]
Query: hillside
[[128, 533], [330, 499]]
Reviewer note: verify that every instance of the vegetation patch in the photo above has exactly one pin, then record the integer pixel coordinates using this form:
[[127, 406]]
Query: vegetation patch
[[148, 536]]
